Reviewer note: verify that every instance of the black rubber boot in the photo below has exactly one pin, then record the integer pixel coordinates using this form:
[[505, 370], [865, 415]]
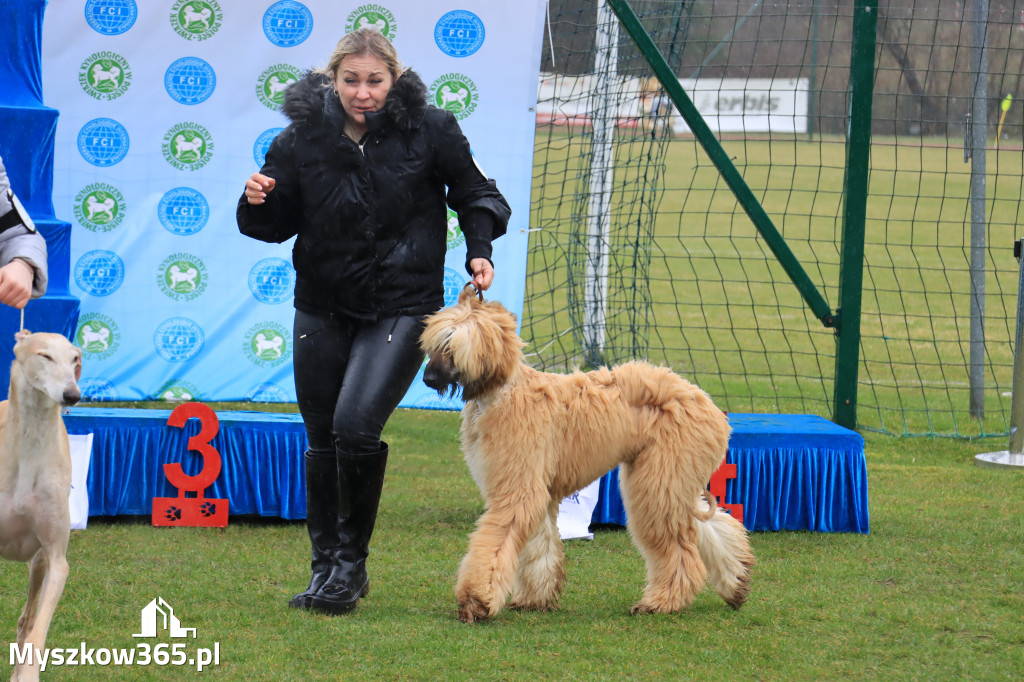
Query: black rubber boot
[[322, 520], [362, 479]]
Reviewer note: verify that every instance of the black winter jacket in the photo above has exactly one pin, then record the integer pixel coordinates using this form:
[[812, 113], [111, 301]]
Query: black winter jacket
[[370, 219]]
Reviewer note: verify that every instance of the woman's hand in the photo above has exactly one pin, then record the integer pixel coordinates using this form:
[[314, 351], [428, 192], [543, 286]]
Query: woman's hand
[[16, 283], [483, 273], [257, 187]]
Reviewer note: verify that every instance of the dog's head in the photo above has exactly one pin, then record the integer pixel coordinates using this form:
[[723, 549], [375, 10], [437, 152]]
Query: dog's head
[[48, 363], [472, 346]]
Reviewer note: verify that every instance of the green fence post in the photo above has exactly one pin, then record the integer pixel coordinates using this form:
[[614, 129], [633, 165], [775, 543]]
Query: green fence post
[[855, 190]]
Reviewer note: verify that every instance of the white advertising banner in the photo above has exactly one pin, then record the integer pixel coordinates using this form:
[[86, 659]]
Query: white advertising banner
[[748, 105], [728, 105], [167, 106]]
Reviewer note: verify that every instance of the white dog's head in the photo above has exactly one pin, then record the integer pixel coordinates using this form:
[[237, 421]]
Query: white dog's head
[[48, 363]]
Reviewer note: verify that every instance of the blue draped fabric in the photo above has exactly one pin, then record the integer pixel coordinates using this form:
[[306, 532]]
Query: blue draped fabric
[[261, 457], [27, 133], [793, 472], [21, 39]]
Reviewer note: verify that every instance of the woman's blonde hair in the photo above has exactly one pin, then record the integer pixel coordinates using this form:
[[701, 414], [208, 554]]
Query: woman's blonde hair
[[364, 41]]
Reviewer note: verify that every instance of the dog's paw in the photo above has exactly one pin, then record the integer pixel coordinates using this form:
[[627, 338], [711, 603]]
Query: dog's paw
[[641, 608], [472, 609], [742, 591]]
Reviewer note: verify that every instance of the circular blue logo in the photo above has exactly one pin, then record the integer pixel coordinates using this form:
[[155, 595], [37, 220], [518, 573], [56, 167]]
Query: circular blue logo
[[272, 280], [266, 393], [103, 142], [97, 390], [287, 23], [190, 80], [453, 283], [459, 33], [262, 144], [111, 17], [99, 273], [178, 339], [183, 211]]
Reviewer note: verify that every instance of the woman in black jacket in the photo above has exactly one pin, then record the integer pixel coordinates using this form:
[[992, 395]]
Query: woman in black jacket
[[361, 177]]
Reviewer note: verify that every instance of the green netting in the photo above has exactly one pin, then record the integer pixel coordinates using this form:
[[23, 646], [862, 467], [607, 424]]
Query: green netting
[[690, 283]]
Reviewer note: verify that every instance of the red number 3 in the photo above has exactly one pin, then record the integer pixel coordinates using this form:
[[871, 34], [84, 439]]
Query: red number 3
[[209, 426]]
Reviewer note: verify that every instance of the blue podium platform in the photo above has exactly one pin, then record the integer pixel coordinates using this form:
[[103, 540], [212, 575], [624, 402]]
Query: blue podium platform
[[261, 454], [794, 472]]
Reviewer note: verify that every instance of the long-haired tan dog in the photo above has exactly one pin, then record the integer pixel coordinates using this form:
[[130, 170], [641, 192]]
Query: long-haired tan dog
[[530, 438]]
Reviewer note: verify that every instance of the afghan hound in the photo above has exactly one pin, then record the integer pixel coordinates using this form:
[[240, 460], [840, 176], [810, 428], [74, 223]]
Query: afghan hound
[[530, 438]]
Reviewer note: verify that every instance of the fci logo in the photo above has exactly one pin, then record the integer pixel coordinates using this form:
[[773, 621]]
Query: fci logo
[[105, 75], [196, 19], [455, 236], [99, 207], [272, 83], [178, 391], [188, 146], [372, 16], [455, 93], [98, 335], [267, 344], [182, 276]]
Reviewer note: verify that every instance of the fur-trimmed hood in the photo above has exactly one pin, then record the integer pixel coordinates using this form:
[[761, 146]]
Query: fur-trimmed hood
[[312, 102]]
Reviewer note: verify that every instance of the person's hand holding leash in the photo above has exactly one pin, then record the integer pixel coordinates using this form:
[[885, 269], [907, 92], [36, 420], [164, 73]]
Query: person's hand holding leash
[[483, 273], [16, 283], [257, 187]]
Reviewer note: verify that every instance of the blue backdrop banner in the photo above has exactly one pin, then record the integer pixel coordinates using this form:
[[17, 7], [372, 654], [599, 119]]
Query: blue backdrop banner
[[166, 106]]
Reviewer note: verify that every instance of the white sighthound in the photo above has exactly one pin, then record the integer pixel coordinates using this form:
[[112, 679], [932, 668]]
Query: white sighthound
[[35, 481]]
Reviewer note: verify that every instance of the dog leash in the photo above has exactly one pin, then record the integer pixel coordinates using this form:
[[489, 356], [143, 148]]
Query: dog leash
[[479, 292]]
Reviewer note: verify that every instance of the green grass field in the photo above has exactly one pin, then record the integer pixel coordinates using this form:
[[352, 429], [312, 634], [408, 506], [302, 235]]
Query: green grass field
[[691, 283], [932, 592]]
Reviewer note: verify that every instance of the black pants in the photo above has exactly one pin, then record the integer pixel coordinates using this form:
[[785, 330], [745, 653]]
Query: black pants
[[350, 375]]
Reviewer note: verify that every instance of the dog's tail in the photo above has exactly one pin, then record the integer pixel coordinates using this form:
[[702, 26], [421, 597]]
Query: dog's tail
[[712, 502], [725, 550]]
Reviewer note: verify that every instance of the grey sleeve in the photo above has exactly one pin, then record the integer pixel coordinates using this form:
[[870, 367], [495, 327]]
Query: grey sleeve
[[18, 242], [5, 184]]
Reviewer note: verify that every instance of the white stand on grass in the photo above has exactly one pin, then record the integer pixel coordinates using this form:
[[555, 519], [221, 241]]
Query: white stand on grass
[[1014, 456], [575, 512]]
